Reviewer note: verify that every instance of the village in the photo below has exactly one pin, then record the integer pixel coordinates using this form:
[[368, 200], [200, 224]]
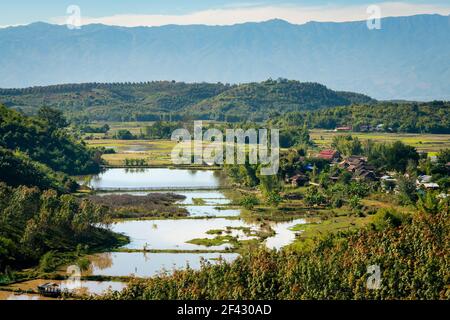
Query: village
[[359, 169]]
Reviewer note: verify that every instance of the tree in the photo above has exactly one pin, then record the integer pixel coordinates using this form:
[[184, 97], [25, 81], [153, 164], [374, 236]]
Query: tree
[[429, 203], [53, 118], [274, 199], [249, 202], [406, 187]]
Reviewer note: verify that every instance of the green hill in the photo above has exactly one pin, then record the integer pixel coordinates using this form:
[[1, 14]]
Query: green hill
[[37, 143], [177, 100]]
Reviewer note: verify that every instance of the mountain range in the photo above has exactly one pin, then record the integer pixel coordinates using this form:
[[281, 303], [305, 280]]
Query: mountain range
[[408, 58]]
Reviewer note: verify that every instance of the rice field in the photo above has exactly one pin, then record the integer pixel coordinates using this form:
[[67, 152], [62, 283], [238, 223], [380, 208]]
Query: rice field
[[430, 143]]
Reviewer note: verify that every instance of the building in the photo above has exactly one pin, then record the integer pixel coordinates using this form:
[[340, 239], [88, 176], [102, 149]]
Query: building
[[298, 180], [359, 168], [330, 155], [343, 129], [49, 289]]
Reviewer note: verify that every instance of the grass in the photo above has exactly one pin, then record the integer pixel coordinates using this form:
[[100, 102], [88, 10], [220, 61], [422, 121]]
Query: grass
[[155, 152], [216, 241], [430, 143], [318, 228]]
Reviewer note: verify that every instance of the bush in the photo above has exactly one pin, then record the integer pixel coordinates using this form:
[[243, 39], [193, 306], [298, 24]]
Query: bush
[[249, 202], [48, 262], [385, 218]]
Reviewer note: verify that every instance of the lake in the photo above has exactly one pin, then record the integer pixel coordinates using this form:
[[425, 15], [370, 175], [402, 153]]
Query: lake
[[149, 264], [154, 178], [173, 234]]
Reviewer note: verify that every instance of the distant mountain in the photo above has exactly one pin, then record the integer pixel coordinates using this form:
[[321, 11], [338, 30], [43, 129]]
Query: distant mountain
[[178, 100], [408, 58]]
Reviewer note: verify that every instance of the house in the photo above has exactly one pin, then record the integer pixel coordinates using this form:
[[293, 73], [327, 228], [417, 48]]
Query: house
[[298, 180], [343, 129], [430, 185], [423, 179], [330, 155], [359, 167], [388, 183], [49, 289]]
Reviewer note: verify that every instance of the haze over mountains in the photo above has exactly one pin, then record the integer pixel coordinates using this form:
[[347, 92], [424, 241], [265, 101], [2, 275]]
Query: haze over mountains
[[408, 58]]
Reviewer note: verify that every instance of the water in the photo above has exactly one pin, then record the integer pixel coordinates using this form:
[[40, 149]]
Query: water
[[209, 197], [173, 234], [122, 178], [283, 236], [6, 295], [211, 211], [82, 286], [149, 264]]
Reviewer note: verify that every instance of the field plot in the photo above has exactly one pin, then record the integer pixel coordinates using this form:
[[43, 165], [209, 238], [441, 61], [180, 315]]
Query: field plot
[[155, 152], [430, 143]]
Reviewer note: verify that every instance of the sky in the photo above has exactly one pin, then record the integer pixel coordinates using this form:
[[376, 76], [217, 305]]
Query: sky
[[211, 12]]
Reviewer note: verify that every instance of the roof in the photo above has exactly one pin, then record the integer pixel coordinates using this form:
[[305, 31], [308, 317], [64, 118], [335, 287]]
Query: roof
[[328, 154], [431, 185], [424, 178]]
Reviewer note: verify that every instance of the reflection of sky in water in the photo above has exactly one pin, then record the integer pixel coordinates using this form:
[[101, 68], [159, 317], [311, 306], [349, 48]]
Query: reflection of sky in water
[[12, 296], [79, 287], [210, 197], [122, 178], [283, 235], [149, 264], [203, 211], [173, 234]]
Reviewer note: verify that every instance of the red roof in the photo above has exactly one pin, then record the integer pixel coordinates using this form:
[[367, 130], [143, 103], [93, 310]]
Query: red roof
[[327, 154]]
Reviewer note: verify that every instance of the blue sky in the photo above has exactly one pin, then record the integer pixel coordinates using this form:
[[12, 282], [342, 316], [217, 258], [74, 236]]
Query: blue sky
[[159, 12]]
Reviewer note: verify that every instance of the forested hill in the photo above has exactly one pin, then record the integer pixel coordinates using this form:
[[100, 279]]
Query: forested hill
[[37, 151], [178, 100], [409, 117]]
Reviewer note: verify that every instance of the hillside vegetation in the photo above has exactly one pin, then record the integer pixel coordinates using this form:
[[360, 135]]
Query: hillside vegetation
[[151, 101], [43, 139]]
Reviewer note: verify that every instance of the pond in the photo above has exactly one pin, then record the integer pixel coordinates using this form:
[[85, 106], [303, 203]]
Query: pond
[[7, 295], [149, 264], [173, 234], [211, 211], [82, 286], [155, 178], [284, 236]]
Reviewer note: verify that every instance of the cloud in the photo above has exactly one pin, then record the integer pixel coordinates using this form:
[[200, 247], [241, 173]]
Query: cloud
[[291, 13]]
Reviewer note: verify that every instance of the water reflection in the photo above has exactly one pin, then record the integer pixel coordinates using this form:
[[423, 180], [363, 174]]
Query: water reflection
[[160, 178], [173, 234], [211, 211], [150, 264], [83, 286], [283, 236]]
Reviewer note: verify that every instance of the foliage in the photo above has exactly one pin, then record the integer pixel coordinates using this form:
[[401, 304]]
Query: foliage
[[249, 201], [413, 258], [167, 100], [35, 223], [410, 117], [18, 169], [124, 134], [387, 218], [44, 141]]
